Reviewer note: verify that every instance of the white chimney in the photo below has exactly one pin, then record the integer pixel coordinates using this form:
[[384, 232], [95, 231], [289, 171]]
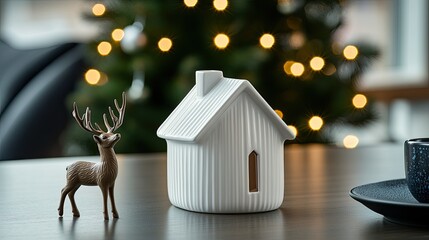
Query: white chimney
[[206, 80]]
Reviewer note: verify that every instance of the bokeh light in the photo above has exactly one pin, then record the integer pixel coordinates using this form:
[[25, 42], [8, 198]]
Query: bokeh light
[[297, 69], [315, 123], [104, 48], [293, 129], [98, 9], [221, 41], [267, 40], [286, 67], [279, 113], [350, 52], [329, 69], [350, 141], [220, 5], [165, 44], [190, 3], [359, 101], [317, 63], [117, 34], [297, 39], [92, 76]]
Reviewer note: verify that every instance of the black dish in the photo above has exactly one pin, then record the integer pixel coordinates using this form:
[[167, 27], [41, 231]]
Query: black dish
[[393, 200]]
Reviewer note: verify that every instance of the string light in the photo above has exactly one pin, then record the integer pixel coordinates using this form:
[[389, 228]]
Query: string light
[[220, 5], [315, 123], [329, 69], [279, 113], [98, 9], [297, 69], [297, 39], [267, 40], [293, 129], [317, 63], [190, 3], [221, 41], [104, 48], [359, 101], [117, 34], [92, 76], [286, 67], [350, 141], [350, 52], [165, 44], [103, 79]]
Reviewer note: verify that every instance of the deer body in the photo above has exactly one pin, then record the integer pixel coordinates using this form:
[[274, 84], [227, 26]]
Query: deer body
[[103, 173]]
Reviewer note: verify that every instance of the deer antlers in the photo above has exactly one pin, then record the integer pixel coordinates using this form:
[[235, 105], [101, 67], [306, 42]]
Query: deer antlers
[[85, 121]]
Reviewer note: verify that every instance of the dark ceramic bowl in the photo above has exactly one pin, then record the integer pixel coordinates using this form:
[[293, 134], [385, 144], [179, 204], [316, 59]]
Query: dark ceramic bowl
[[416, 156]]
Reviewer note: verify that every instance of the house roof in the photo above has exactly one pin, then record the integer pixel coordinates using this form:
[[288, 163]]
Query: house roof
[[204, 105]]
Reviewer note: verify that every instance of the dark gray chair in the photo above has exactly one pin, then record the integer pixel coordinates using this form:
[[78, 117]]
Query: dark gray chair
[[34, 85]]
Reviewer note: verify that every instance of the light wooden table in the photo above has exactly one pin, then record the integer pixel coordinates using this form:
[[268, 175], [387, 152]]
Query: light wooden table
[[316, 204]]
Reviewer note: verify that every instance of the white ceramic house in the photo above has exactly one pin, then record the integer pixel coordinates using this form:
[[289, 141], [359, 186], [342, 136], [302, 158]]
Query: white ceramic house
[[224, 148]]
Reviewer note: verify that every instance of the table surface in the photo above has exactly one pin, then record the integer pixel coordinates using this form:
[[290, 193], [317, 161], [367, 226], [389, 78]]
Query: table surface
[[316, 204]]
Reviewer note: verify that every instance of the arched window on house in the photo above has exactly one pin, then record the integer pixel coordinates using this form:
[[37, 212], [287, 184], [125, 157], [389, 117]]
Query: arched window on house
[[253, 172]]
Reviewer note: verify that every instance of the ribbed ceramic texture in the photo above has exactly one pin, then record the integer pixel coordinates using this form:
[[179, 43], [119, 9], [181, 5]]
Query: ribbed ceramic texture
[[212, 174], [194, 115]]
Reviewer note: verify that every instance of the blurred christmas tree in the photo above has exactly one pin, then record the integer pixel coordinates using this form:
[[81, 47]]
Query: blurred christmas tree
[[152, 48]]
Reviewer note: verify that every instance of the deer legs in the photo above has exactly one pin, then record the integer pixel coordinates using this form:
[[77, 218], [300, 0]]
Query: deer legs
[[73, 203], [70, 191], [108, 191], [64, 192], [112, 200]]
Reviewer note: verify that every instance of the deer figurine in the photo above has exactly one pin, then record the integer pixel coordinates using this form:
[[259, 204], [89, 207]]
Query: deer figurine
[[102, 173]]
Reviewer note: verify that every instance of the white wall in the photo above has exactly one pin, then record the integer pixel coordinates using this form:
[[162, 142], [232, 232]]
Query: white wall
[[409, 119], [38, 23], [399, 29]]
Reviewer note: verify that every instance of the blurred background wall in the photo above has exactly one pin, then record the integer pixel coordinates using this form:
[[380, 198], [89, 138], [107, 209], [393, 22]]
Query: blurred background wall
[[42, 23], [397, 80]]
